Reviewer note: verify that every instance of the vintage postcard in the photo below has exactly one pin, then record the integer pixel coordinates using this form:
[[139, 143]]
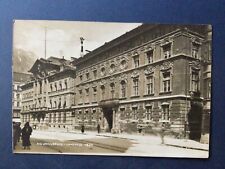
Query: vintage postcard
[[119, 89]]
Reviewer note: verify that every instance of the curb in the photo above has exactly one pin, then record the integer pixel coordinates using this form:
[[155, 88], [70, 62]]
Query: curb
[[187, 147]]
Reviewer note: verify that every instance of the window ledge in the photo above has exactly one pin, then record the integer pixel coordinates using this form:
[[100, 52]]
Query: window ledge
[[168, 92], [146, 95], [135, 96], [123, 98]]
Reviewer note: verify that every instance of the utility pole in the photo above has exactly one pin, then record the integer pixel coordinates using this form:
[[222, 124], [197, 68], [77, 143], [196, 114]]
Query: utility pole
[[45, 41]]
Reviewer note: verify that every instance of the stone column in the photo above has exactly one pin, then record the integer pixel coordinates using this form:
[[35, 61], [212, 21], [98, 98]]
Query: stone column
[[114, 126]]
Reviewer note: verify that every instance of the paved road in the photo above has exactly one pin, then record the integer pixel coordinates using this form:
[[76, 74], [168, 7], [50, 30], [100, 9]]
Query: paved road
[[133, 145]]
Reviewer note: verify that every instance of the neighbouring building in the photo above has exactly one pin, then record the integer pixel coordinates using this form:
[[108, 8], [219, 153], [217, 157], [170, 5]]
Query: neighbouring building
[[19, 79], [47, 99], [139, 80]]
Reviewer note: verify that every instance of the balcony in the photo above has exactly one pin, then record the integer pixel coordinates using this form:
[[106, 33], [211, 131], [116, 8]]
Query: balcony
[[113, 102]]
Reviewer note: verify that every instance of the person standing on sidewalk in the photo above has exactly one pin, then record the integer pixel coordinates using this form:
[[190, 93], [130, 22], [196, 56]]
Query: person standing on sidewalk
[[82, 129], [98, 128], [26, 132], [162, 132]]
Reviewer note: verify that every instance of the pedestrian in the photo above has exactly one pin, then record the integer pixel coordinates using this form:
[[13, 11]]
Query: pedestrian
[[18, 132], [82, 129], [14, 135], [98, 128], [26, 132], [162, 132]]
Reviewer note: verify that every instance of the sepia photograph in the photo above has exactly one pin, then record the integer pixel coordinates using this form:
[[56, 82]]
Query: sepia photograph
[[114, 89]]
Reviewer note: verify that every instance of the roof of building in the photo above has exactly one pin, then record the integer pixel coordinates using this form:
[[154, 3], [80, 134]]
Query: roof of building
[[21, 77], [127, 36]]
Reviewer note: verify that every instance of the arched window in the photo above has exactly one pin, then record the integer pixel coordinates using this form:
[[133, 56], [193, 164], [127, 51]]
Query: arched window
[[103, 92], [123, 89], [112, 86]]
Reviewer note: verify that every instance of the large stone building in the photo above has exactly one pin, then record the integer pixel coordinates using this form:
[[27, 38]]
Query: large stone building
[[138, 80]]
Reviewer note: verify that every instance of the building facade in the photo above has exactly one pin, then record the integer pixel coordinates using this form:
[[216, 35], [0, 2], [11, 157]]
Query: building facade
[[18, 80], [137, 81], [47, 99]]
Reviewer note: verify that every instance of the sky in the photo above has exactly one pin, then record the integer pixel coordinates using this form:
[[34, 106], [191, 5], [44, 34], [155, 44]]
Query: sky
[[63, 37]]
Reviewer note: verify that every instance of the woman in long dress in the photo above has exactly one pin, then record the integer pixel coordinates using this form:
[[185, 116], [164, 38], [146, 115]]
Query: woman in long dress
[[26, 132]]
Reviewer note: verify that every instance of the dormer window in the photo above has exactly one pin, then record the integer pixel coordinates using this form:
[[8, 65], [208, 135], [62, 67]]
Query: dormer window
[[136, 61], [195, 50], [167, 51], [149, 56]]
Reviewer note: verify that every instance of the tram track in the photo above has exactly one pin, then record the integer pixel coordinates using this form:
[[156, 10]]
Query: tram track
[[101, 145]]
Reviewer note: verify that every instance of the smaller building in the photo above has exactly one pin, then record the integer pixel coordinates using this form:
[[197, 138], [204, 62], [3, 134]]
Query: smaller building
[[19, 79]]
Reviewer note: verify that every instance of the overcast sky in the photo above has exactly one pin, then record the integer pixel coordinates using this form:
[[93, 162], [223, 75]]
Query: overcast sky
[[63, 37]]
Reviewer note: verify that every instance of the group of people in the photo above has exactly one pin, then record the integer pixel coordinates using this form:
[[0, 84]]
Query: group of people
[[23, 133], [98, 128]]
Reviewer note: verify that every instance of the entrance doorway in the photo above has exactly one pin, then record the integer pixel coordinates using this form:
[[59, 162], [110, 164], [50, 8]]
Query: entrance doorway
[[108, 114]]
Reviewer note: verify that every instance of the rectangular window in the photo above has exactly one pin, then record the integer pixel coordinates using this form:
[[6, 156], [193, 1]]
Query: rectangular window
[[87, 95], [65, 83], [93, 114], [166, 82], [64, 117], [148, 112], [59, 118], [51, 87], [194, 81], [103, 92], [112, 86], [50, 101], [136, 61], [50, 118], [149, 85], [165, 112], [55, 86], [135, 87], [195, 50], [167, 51], [134, 113], [123, 89], [149, 56], [208, 89], [81, 96], [60, 86], [54, 118], [94, 94]]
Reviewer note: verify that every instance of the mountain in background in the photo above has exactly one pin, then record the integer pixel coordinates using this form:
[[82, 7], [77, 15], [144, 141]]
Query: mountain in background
[[23, 60]]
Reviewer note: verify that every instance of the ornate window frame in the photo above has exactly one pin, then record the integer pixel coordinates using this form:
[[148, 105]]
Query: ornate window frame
[[166, 67]]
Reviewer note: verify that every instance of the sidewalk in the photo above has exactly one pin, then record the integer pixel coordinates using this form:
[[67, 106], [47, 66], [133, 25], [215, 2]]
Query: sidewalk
[[182, 143]]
